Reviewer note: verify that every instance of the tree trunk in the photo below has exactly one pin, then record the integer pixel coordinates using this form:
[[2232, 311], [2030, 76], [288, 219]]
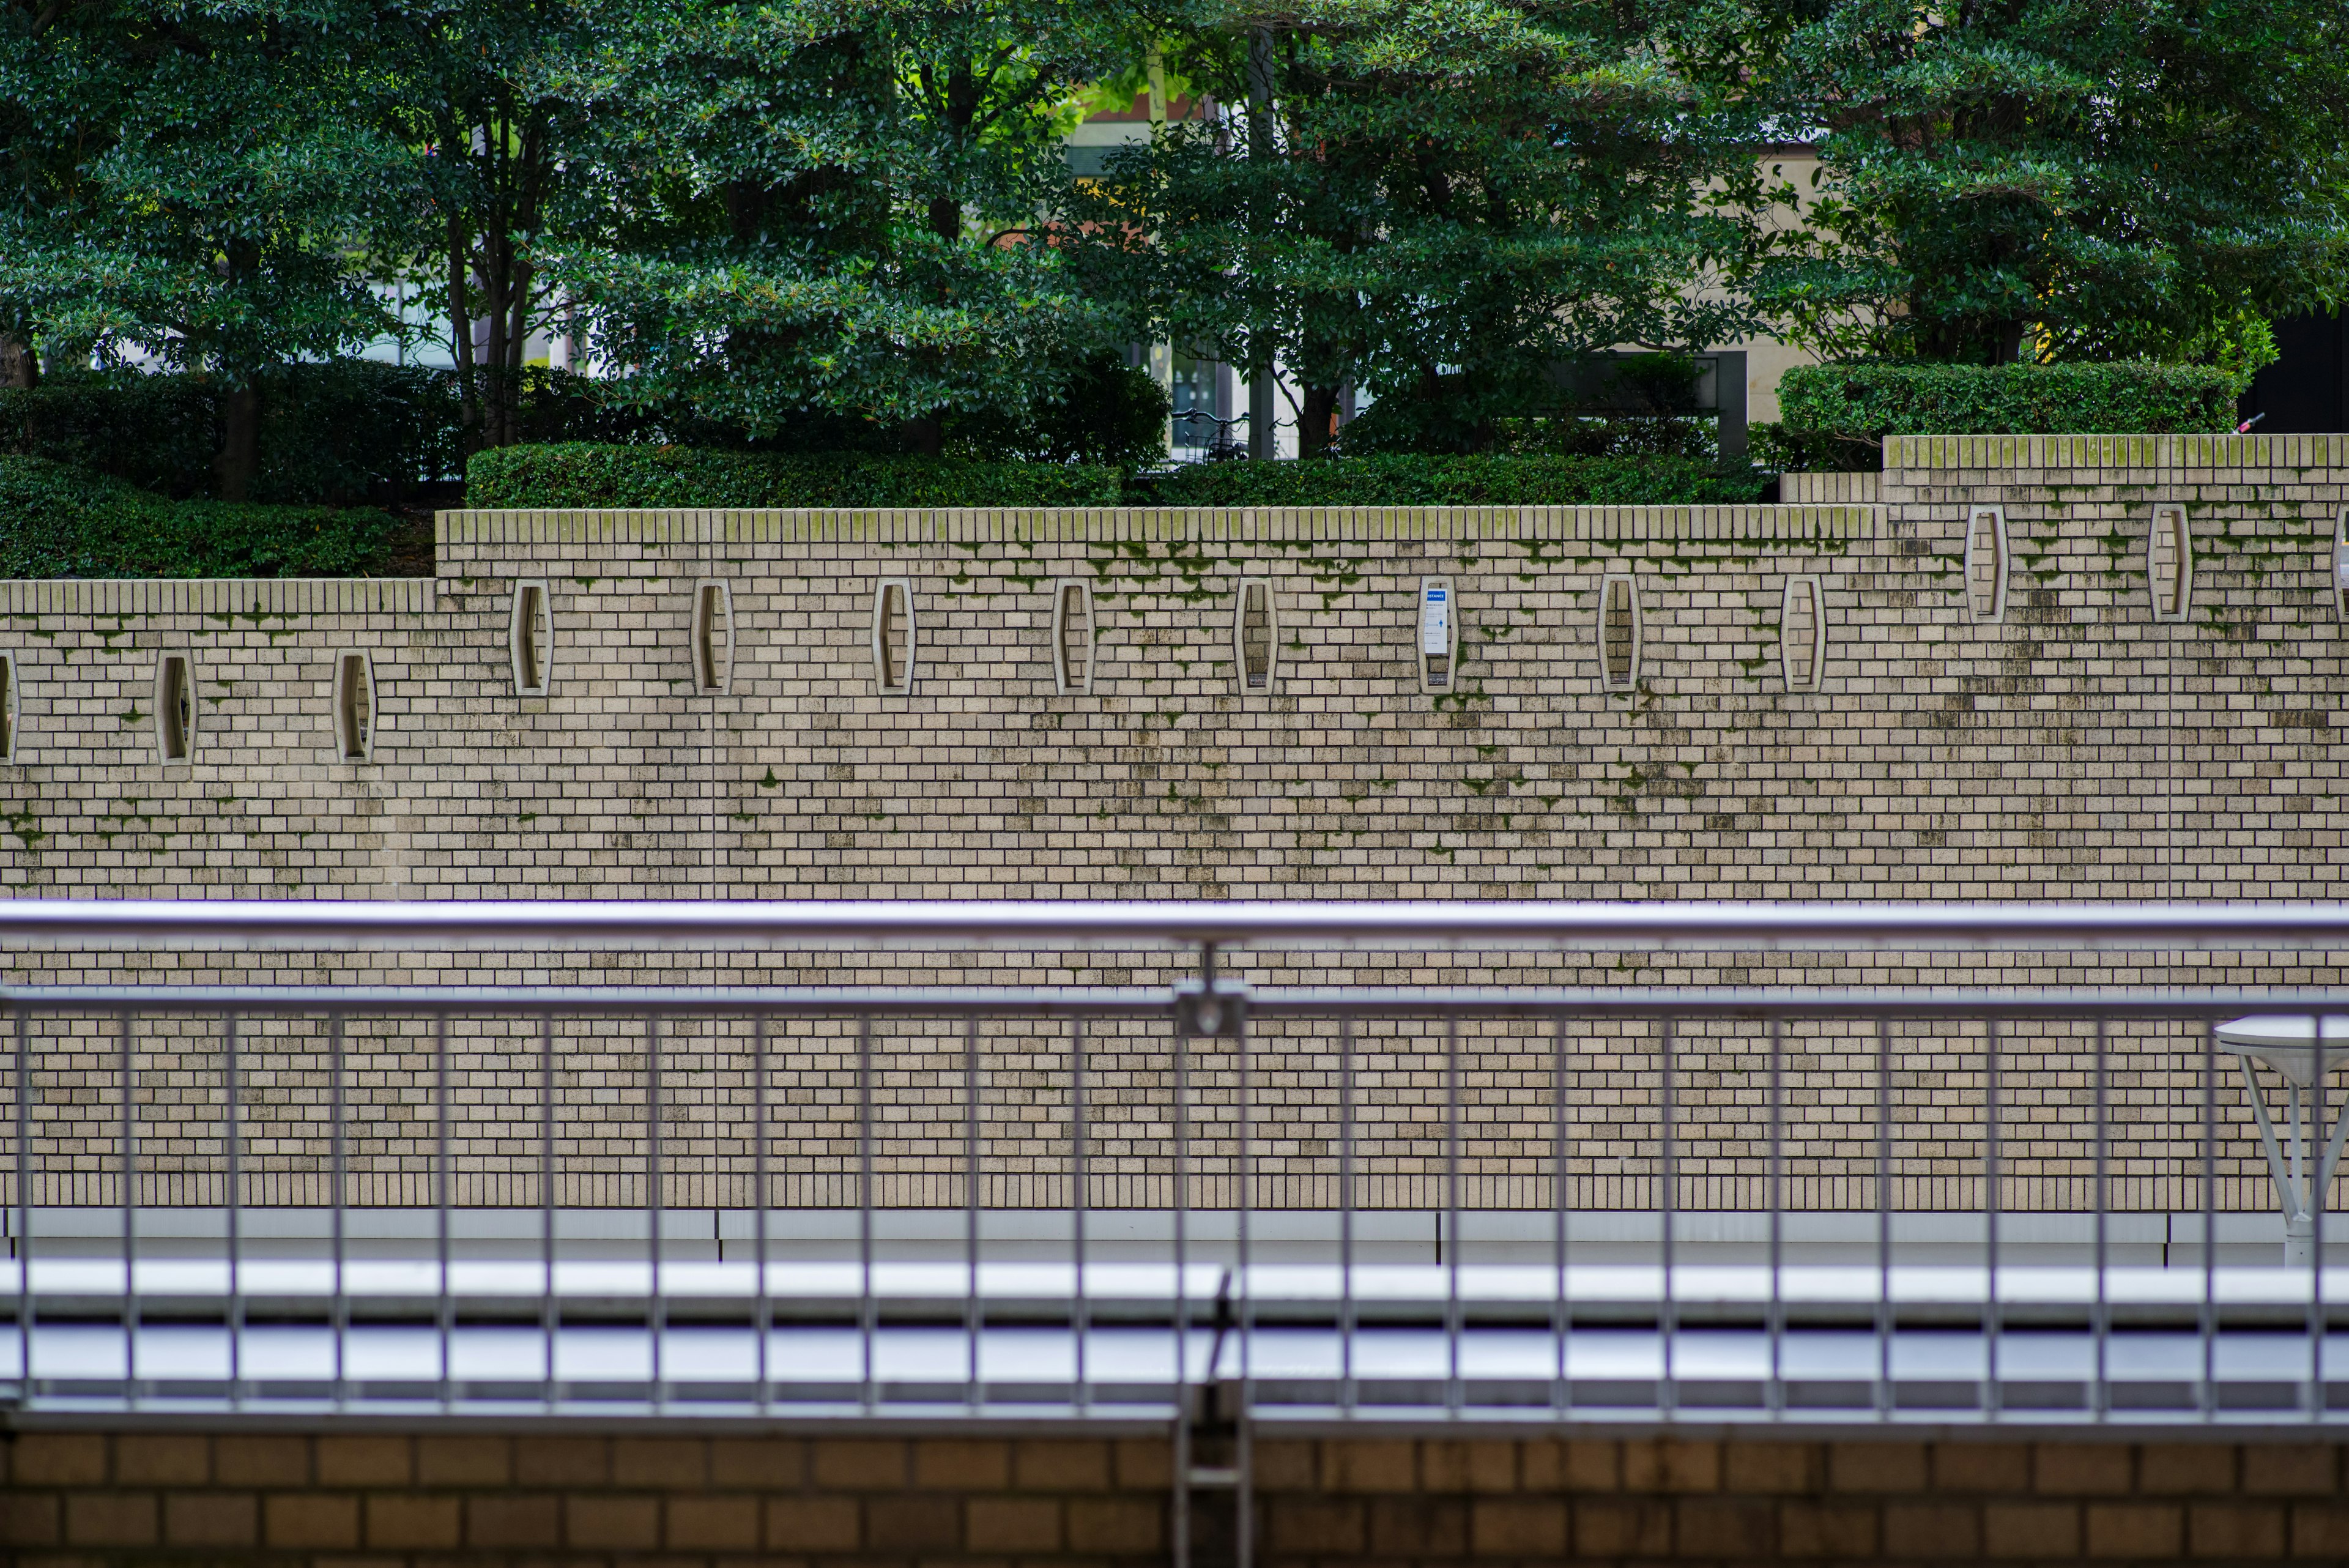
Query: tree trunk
[[1317, 424], [461, 344], [238, 461], [238, 457], [1261, 413], [20, 368]]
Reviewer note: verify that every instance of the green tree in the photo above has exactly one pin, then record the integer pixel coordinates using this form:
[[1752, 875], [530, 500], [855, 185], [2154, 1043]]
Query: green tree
[[496, 168], [188, 182], [1435, 200], [2056, 179], [828, 209]]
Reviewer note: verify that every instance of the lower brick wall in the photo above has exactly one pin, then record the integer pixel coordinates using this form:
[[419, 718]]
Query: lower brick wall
[[380, 1497]]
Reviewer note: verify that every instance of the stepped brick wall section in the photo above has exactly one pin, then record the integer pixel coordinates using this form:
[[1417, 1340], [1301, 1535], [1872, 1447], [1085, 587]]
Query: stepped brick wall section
[[2081, 749], [95, 1498]]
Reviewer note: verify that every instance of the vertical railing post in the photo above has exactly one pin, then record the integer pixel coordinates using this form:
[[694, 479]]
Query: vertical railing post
[[762, 1312], [1993, 1389], [1775, 1393], [1453, 1394], [2206, 1317], [1561, 1395], [235, 1217], [549, 1315], [867, 1309], [1667, 1202], [1242, 1498], [1183, 1412], [27, 1308], [970, 1310], [656, 1304], [1080, 1313], [443, 1313], [2319, 1177], [1346, 1389], [1883, 1220], [2100, 1392], [130, 1213], [339, 1304]]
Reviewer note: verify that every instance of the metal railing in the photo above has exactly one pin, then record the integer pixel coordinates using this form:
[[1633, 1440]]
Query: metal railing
[[1174, 1254]]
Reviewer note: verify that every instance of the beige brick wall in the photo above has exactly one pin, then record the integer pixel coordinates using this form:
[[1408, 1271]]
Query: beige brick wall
[[580, 1495], [2080, 750]]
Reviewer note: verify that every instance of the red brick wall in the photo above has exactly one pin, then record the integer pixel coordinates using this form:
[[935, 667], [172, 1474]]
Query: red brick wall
[[395, 1498]]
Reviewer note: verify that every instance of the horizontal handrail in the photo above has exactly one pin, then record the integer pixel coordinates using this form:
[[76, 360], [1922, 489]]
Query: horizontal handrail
[[1843, 1004], [1609, 925]]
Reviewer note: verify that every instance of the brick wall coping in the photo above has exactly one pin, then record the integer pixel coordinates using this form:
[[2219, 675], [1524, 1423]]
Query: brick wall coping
[[228, 601], [2165, 454], [691, 529]]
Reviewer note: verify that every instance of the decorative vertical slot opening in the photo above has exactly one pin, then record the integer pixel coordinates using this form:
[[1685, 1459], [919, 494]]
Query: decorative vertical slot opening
[[175, 709], [893, 635], [1254, 635], [532, 639], [1072, 638], [1619, 634], [1986, 564], [2169, 562], [713, 637], [2341, 566], [354, 708], [1439, 634], [1802, 634], [8, 708]]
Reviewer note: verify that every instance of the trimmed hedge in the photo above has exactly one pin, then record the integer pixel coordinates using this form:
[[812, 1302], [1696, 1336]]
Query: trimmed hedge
[[1418, 480], [583, 476], [579, 476], [339, 431], [1869, 401], [57, 520]]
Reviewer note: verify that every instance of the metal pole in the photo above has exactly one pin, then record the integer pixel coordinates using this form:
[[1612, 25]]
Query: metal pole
[[763, 1313], [1182, 1161], [549, 1315], [1668, 1312], [25, 1308], [1775, 1397], [443, 1313], [867, 1323], [1453, 1392], [970, 1310], [1346, 1389], [1243, 1502], [2206, 1315], [1561, 1397], [130, 1217], [2100, 1392], [1993, 1389], [1079, 1309], [656, 1305], [341, 1305], [236, 1201], [2319, 1169], [1883, 1220]]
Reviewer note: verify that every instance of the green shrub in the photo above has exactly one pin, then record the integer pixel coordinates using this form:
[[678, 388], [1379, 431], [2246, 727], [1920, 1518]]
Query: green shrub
[[158, 433], [580, 475], [338, 432], [61, 521], [1785, 450], [1422, 480], [1865, 402], [1110, 412]]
